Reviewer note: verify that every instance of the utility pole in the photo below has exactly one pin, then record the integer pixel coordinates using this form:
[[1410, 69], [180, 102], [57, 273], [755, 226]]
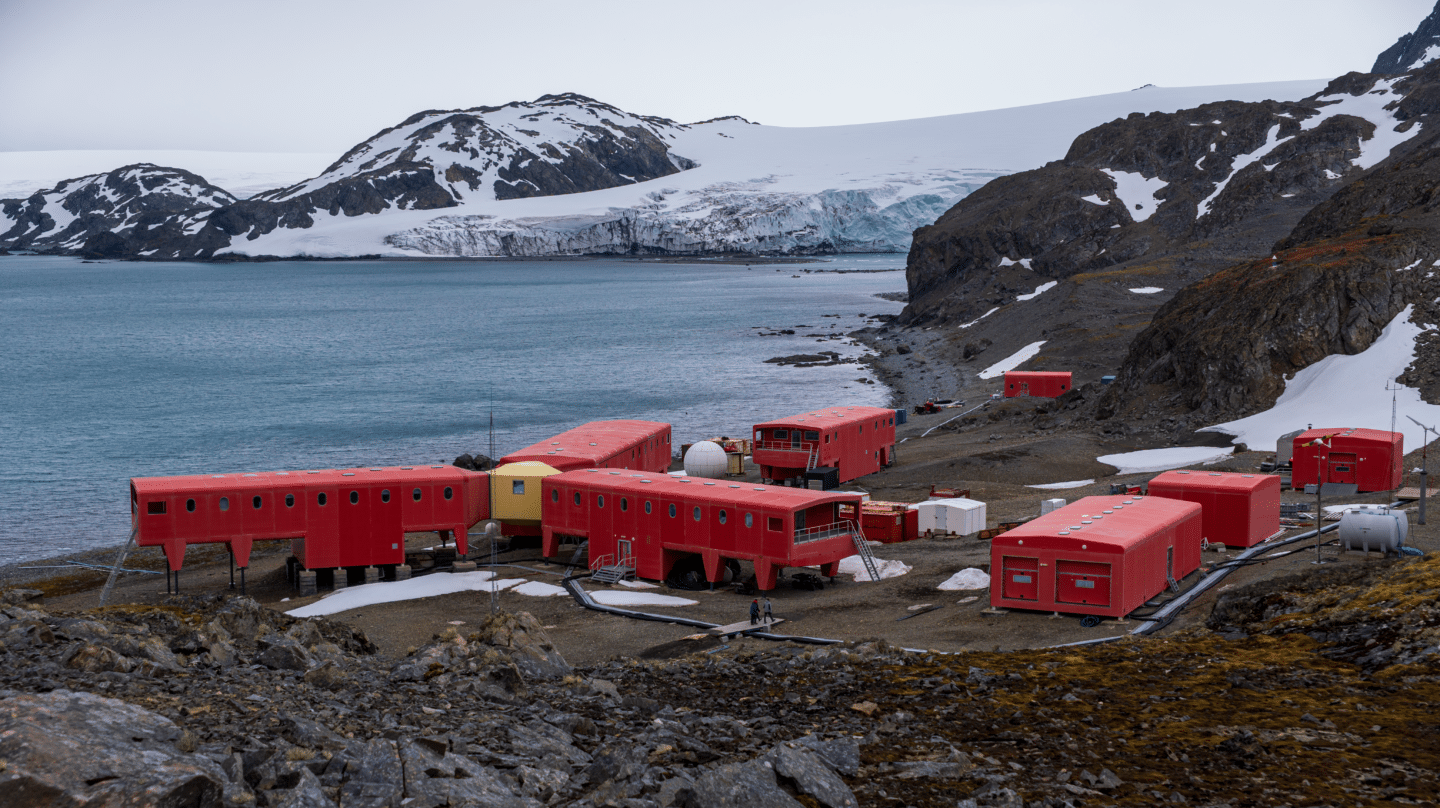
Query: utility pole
[[1424, 465]]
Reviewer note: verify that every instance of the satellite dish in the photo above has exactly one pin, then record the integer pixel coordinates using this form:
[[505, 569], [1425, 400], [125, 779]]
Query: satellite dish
[[706, 459]]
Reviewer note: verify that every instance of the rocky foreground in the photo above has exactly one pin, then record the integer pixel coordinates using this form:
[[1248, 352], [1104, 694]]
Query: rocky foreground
[[1311, 691]]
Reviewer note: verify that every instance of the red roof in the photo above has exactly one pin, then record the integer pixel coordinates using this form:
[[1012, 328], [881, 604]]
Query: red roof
[[266, 480], [1212, 480], [1358, 433], [596, 442], [718, 492], [1033, 374], [1104, 524], [828, 417]]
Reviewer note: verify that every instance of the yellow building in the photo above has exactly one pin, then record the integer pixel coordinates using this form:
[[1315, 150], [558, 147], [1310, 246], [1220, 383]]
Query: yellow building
[[515, 494]]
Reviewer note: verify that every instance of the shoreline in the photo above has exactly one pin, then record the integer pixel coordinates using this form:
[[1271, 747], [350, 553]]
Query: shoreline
[[713, 258]]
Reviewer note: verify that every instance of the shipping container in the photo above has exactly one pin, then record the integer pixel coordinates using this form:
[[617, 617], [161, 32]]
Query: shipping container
[[961, 516], [1370, 458], [889, 522], [1237, 510], [855, 441], [658, 522], [1103, 555], [633, 445], [333, 517], [1039, 383]]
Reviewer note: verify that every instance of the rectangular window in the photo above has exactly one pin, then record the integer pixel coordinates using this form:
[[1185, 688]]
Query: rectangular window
[[782, 434], [155, 508], [812, 436], [774, 523], [517, 487]]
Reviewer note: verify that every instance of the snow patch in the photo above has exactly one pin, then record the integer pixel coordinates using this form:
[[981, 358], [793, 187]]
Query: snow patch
[[1137, 192], [1024, 262], [539, 590], [1147, 290], [613, 598], [1412, 266], [1163, 459], [1348, 391], [981, 317], [1042, 288], [429, 586], [1012, 361], [1431, 54], [970, 578], [1371, 107], [854, 565], [1241, 161], [1095, 199], [1070, 484]]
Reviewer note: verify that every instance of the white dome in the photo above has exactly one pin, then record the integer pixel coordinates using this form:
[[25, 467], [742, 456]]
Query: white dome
[[706, 459]]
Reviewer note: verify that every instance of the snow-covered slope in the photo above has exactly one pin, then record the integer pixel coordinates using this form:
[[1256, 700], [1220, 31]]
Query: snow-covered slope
[[751, 188], [243, 174]]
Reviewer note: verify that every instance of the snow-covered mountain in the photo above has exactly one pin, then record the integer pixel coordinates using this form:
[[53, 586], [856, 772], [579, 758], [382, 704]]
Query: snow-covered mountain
[[1413, 50], [566, 174], [125, 205], [243, 174]]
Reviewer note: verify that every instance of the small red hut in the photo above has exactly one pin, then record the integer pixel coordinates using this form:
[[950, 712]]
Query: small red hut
[[853, 440], [1370, 458], [638, 445], [1038, 383], [1237, 510]]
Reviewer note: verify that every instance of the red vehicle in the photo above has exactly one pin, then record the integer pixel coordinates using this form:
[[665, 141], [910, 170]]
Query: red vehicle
[[889, 522], [1370, 458], [655, 522], [333, 518], [638, 445], [1104, 556], [1237, 510], [1039, 383], [853, 440]]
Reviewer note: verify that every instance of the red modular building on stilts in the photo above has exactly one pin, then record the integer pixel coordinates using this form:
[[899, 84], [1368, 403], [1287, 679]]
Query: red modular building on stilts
[[1372, 459], [637, 445], [1039, 383], [1237, 510], [1104, 556], [333, 518], [658, 522], [853, 440]]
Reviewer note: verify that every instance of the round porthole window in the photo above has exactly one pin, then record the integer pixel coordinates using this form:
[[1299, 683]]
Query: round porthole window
[[577, 497], [320, 499], [749, 520], [672, 511], [624, 504], [449, 492], [354, 497], [190, 505], [554, 496], [224, 503], [385, 495], [647, 506], [600, 500], [256, 502], [415, 495], [289, 500], [722, 516], [697, 513]]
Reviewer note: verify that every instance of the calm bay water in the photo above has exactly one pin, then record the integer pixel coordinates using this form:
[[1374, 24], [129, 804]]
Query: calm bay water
[[118, 370]]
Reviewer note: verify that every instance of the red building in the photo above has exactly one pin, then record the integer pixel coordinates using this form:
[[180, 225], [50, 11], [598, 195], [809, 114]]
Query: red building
[[1039, 383], [1237, 510], [1099, 555], [1370, 458], [638, 445], [660, 521], [333, 518], [889, 522], [854, 440]]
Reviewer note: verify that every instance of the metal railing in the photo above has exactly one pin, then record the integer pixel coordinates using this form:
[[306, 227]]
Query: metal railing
[[811, 452], [829, 531]]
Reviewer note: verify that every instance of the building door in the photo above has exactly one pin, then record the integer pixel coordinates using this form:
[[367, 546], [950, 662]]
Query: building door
[[623, 553], [1082, 582], [1018, 581], [1342, 468], [1024, 388]]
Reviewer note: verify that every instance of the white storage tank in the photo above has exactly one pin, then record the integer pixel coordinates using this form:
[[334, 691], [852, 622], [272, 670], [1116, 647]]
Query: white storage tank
[[1374, 528], [961, 516], [1048, 505], [706, 459]]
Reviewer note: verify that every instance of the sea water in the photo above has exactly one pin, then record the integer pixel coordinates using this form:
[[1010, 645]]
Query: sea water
[[115, 370]]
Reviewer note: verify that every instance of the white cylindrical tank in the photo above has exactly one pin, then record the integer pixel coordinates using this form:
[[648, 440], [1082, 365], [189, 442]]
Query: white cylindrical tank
[[1377, 528], [706, 459]]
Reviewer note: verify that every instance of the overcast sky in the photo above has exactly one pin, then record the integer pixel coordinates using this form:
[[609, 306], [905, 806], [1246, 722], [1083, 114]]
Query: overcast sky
[[322, 75]]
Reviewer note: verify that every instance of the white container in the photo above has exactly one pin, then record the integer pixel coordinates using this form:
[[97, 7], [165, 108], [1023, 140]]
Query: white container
[[963, 517], [1048, 505], [1375, 528]]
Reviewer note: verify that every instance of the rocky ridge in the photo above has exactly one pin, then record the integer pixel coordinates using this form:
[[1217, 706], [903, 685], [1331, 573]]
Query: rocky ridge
[[127, 211], [221, 702], [1413, 50]]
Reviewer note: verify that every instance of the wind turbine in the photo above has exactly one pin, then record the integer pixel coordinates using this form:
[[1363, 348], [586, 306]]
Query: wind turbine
[[1424, 467]]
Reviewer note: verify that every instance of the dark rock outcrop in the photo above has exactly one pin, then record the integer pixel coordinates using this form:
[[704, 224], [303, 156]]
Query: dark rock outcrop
[[1415, 49], [126, 212]]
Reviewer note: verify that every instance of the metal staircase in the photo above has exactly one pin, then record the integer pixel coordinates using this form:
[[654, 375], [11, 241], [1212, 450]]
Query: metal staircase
[[608, 570], [862, 549]]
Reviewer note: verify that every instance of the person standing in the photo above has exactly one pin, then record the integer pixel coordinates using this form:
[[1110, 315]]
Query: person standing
[[769, 615], [754, 612]]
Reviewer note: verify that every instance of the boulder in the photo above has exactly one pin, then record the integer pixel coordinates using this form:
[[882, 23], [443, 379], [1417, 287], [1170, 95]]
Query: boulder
[[810, 775], [736, 785], [521, 637], [68, 748]]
